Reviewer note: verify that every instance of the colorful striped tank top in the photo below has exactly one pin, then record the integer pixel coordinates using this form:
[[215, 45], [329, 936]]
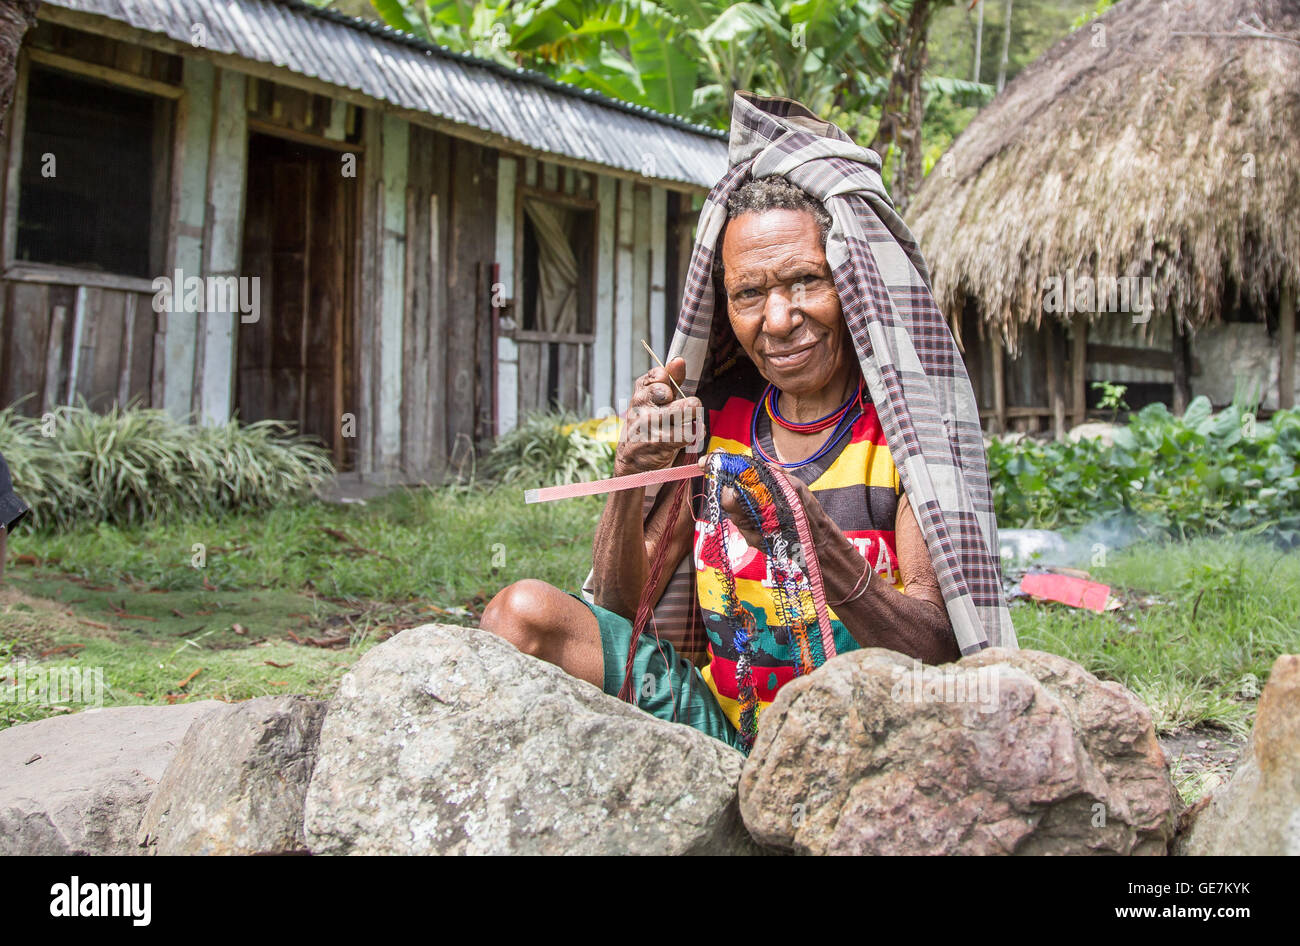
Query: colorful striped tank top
[[858, 486]]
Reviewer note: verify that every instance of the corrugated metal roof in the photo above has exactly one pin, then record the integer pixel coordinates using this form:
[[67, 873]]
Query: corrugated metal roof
[[519, 105]]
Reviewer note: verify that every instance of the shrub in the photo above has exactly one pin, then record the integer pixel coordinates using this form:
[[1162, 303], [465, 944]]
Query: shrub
[[546, 449], [1199, 474], [136, 465]]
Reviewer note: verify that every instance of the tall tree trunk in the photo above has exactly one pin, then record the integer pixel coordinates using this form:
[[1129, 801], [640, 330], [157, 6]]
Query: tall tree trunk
[[979, 42], [16, 18], [1006, 46], [903, 110]]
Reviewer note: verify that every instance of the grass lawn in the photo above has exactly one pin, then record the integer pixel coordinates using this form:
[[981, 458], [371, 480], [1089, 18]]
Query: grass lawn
[[272, 589], [285, 601]]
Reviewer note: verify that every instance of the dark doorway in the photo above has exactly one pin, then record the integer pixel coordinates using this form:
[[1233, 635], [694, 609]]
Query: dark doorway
[[296, 362]]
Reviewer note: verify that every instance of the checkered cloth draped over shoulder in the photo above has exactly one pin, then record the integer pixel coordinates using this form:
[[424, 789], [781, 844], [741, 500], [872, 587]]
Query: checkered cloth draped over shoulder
[[914, 373]]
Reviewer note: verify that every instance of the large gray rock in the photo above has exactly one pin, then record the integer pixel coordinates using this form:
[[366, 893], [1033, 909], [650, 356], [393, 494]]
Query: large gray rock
[[79, 784], [1004, 752], [447, 740], [1258, 811], [238, 782]]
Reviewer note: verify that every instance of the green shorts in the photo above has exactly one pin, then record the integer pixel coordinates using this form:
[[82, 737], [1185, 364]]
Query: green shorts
[[667, 686]]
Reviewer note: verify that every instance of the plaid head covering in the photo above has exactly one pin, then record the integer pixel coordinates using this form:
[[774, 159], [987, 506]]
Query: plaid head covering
[[913, 371]]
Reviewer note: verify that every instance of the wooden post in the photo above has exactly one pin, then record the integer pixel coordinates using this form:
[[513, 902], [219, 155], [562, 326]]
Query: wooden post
[[127, 352], [1055, 377], [54, 359], [78, 339], [1078, 367], [1286, 339], [1182, 382], [999, 383]]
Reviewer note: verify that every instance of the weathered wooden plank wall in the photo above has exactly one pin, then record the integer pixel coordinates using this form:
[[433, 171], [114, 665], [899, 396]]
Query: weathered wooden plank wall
[[396, 153], [46, 362], [179, 331], [507, 354], [624, 263], [468, 342], [424, 433], [420, 372], [658, 230], [602, 382], [222, 247]]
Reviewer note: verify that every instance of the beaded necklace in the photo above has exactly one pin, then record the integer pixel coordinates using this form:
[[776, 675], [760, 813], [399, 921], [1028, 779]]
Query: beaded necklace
[[842, 419]]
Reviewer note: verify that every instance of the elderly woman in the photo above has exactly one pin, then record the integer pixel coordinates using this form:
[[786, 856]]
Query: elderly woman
[[801, 407], [781, 377]]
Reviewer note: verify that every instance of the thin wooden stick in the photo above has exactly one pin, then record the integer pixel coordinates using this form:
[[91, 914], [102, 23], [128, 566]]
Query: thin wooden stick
[[652, 354]]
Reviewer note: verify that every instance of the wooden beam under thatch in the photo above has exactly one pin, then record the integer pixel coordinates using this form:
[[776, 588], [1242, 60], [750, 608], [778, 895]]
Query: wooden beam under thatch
[[1158, 140]]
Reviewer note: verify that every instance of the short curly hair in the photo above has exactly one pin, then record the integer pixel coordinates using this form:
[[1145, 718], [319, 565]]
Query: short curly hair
[[771, 193]]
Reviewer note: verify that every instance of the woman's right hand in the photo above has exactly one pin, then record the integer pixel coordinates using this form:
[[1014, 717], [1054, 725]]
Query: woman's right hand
[[658, 424]]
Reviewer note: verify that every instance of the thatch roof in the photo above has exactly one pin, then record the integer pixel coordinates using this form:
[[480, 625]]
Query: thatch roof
[[1129, 149]]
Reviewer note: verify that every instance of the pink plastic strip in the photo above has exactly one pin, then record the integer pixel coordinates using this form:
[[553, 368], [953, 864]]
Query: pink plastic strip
[[612, 484]]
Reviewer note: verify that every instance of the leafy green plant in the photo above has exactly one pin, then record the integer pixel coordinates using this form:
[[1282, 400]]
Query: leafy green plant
[[1199, 474], [1112, 397], [135, 465], [540, 450]]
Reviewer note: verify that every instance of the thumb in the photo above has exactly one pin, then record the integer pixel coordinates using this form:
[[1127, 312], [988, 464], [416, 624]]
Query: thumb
[[677, 368]]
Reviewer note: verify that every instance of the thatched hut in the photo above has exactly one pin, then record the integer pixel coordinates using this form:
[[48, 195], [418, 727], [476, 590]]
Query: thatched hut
[[1128, 209]]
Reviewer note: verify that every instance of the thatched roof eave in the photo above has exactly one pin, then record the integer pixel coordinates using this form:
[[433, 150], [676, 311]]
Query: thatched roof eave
[[1158, 142]]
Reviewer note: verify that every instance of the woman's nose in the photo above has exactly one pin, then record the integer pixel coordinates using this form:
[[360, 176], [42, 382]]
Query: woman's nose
[[781, 316]]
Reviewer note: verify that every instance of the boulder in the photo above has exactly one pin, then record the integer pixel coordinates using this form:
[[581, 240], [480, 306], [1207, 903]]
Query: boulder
[[79, 784], [238, 782], [1004, 752], [447, 740], [1258, 811]]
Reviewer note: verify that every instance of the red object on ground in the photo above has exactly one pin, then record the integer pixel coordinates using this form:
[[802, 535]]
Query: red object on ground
[[1076, 592]]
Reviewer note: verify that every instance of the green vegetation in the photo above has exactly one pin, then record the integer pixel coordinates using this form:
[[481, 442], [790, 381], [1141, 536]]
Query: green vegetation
[[137, 465], [239, 599], [1223, 474], [680, 58], [272, 586], [1204, 622], [1035, 26], [545, 449]]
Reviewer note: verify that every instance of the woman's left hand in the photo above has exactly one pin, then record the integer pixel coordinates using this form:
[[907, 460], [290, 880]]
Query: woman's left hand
[[739, 516]]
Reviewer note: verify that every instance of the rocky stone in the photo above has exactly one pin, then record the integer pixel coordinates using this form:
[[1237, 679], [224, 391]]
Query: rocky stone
[[79, 784], [448, 740], [1003, 752], [238, 782], [1258, 811]]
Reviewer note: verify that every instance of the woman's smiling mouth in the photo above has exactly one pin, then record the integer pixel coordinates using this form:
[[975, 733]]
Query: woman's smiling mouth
[[791, 358]]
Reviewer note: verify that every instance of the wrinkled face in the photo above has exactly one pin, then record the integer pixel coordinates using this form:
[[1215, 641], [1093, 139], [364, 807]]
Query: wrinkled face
[[782, 302]]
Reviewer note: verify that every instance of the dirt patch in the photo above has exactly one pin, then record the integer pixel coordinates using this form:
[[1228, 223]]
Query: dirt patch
[[1201, 760], [32, 627]]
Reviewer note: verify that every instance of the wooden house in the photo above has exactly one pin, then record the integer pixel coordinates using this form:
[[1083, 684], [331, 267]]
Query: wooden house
[[255, 208]]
